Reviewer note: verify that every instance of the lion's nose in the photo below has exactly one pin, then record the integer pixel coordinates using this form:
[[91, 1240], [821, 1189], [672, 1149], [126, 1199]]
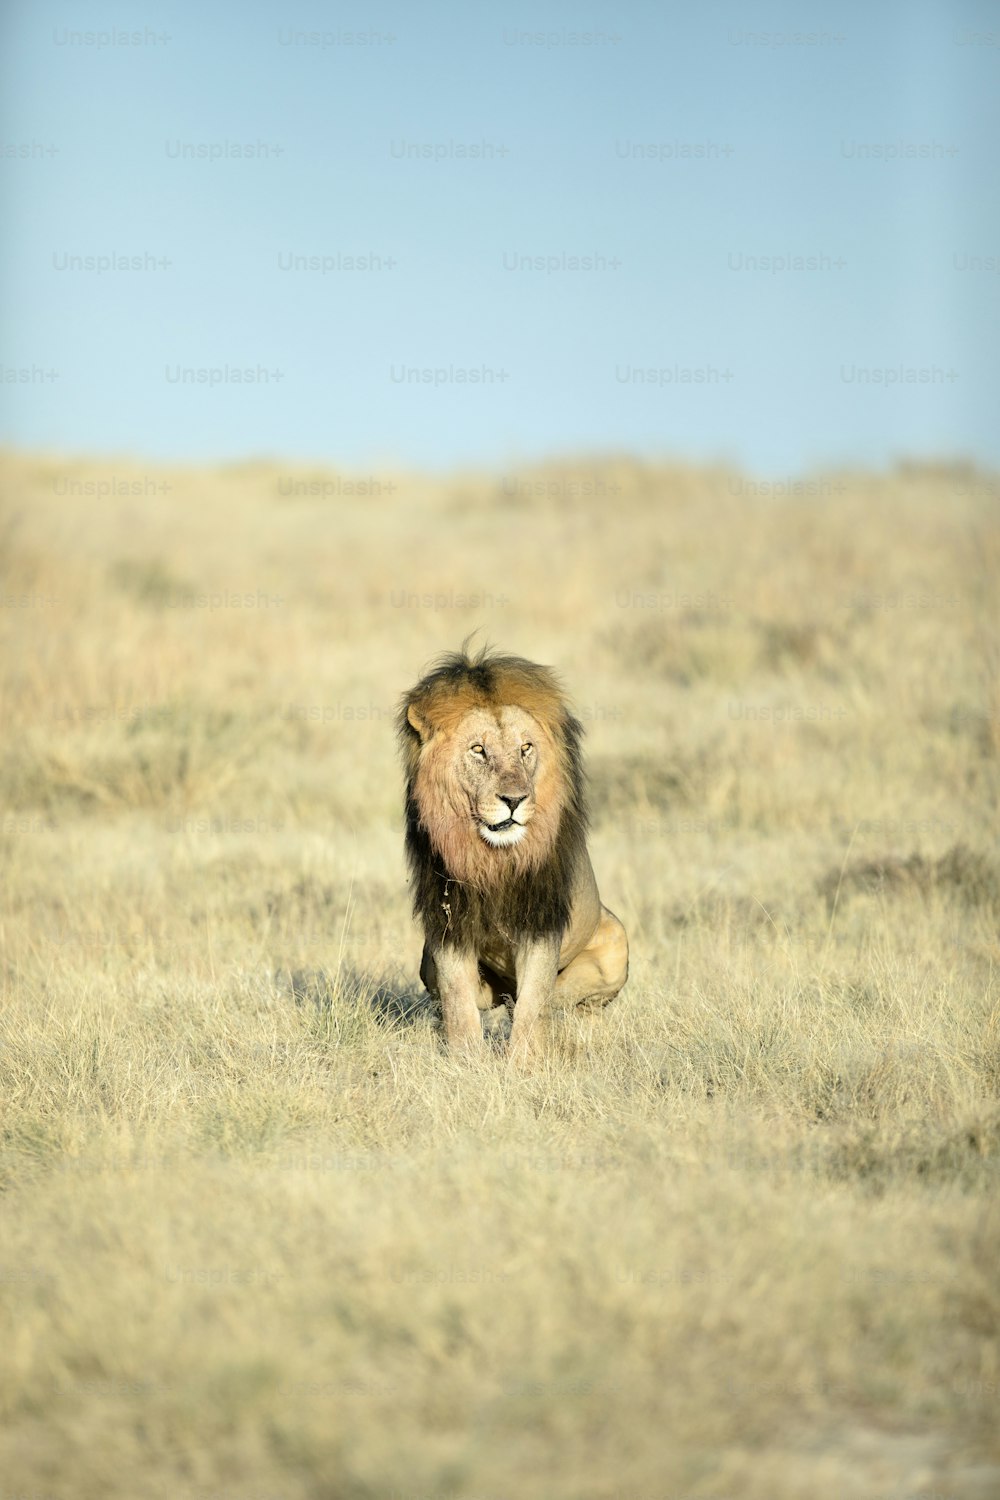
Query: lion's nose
[[512, 802]]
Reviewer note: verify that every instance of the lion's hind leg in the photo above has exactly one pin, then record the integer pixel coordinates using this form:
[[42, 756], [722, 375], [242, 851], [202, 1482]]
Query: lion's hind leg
[[598, 971], [496, 989]]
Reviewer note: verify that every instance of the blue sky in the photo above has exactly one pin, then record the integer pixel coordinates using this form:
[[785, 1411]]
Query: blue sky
[[458, 145]]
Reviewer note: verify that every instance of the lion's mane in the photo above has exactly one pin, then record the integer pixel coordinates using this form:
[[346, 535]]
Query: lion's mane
[[464, 891]]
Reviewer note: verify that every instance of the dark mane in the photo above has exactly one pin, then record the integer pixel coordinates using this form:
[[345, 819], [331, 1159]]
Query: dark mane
[[532, 902]]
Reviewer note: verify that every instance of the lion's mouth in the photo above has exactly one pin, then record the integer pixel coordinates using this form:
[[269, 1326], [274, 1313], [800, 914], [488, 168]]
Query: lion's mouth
[[502, 835]]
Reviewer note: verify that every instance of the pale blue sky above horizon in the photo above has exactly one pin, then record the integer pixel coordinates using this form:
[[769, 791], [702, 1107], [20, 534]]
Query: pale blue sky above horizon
[[776, 371]]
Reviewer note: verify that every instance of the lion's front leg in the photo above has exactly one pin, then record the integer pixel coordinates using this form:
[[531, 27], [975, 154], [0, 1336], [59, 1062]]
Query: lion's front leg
[[536, 967], [490, 985], [452, 977]]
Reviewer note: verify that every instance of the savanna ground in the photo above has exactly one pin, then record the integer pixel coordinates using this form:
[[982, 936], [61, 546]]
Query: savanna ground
[[738, 1235]]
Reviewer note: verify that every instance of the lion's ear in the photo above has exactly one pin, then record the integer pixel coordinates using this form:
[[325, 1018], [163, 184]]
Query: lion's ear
[[417, 721]]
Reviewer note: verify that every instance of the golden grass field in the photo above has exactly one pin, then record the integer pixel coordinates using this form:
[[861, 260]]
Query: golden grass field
[[738, 1235]]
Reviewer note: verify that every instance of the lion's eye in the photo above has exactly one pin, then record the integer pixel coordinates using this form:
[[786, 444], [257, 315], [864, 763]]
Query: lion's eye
[[527, 748], [477, 749]]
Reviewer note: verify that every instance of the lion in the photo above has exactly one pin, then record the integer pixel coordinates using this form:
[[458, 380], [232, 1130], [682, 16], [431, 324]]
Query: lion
[[496, 826]]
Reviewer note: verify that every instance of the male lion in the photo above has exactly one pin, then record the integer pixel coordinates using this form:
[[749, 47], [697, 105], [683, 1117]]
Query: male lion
[[496, 844]]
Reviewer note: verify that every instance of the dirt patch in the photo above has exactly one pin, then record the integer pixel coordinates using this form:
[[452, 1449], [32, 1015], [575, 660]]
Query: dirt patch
[[964, 872]]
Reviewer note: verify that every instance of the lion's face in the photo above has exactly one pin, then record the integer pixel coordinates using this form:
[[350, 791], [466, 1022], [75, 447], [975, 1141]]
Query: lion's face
[[492, 767], [496, 759], [491, 780]]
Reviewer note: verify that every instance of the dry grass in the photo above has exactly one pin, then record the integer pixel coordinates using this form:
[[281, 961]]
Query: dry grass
[[738, 1236]]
